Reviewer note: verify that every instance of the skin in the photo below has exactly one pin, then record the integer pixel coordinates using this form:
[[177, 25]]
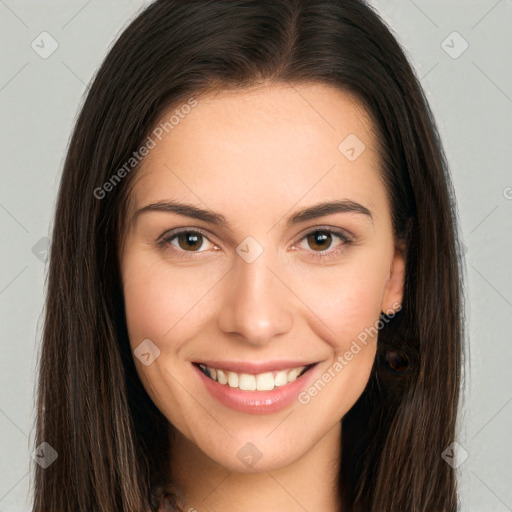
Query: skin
[[257, 156]]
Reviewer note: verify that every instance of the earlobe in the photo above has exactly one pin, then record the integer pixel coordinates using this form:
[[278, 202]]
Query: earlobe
[[393, 292]]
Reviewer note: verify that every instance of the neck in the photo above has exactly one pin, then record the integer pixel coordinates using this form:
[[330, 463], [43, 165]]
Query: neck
[[309, 483]]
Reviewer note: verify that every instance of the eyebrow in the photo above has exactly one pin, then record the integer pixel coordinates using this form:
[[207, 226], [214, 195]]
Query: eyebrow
[[217, 219]]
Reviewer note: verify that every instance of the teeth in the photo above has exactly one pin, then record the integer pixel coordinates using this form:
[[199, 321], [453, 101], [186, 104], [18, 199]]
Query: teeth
[[233, 379], [221, 377], [264, 382], [248, 382], [281, 379], [293, 375]]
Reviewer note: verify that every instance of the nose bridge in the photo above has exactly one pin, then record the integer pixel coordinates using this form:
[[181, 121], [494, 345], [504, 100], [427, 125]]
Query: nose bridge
[[256, 305]]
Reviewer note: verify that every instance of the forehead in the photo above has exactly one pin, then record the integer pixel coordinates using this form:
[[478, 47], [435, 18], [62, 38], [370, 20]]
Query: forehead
[[269, 145]]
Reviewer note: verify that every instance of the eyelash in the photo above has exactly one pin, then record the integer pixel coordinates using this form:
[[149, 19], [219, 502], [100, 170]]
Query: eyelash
[[166, 239]]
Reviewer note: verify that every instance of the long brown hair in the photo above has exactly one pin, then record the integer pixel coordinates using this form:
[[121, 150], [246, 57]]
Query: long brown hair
[[112, 442]]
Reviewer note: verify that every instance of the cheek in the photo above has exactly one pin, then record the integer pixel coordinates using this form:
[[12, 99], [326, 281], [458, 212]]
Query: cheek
[[348, 303], [161, 302], [347, 298], [163, 305]]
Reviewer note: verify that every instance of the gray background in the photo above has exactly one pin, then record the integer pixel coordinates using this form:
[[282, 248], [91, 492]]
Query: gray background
[[471, 96]]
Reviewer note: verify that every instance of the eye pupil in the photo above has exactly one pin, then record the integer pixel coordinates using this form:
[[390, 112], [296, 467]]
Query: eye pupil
[[190, 240], [319, 239]]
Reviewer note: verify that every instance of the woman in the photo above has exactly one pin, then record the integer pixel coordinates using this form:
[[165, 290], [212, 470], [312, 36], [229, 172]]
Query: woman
[[254, 297]]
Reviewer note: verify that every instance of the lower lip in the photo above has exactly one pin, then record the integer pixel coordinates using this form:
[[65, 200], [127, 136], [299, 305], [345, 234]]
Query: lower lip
[[257, 402]]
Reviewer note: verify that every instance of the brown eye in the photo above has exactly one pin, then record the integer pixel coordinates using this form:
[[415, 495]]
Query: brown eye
[[190, 240], [187, 244], [321, 243], [319, 240], [186, 241]]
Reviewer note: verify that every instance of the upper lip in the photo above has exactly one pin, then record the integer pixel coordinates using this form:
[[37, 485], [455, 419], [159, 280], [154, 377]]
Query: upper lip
[[255, 367]]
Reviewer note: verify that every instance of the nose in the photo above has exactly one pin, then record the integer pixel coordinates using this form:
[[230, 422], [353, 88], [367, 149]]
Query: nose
[[256, 304]]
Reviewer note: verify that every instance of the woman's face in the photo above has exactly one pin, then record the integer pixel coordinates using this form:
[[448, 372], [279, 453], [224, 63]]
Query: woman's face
[[261, 281]]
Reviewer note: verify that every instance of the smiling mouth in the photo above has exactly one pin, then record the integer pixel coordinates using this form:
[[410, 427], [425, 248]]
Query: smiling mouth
[[266, 381]]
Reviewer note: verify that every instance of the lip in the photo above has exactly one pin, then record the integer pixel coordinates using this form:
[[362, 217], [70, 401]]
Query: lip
[[258, 402], [255, 367]]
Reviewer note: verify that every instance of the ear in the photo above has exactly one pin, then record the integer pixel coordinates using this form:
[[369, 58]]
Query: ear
[[394, 289]]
